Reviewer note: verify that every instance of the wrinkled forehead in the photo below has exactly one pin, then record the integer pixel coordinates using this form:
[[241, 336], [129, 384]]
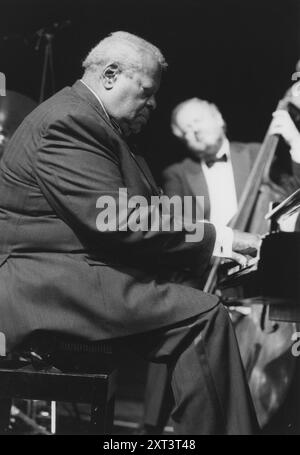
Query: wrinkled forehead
[[149, 73], [149, 66]]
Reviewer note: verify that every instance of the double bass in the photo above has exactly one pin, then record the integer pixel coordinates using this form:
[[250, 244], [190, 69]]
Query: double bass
[[265, 346]]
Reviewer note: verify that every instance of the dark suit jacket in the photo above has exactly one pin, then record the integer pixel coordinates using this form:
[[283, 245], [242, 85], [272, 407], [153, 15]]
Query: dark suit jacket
[[57, 271], [187, 179]]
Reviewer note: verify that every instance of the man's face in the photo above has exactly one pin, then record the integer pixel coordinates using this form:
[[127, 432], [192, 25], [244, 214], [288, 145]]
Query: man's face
[[134, 96], [200, 130]]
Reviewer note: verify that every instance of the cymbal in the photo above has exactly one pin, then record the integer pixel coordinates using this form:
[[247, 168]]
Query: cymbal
[[13, 109]]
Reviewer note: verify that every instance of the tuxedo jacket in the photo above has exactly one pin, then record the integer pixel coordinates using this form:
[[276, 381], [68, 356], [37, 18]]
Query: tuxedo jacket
[[58, 272], [187, 178]]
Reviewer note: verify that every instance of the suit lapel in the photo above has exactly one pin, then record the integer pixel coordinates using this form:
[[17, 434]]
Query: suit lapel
[[197, 183], [241, 168], [145, 171]]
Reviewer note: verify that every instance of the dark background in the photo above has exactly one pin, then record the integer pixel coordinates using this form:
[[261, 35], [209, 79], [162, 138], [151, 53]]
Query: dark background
[[238, 54]]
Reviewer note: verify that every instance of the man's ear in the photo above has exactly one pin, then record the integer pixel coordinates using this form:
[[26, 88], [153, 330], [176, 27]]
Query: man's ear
[[176, 131], [109, 75]]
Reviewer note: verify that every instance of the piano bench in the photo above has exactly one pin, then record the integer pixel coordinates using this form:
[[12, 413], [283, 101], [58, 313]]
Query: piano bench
[[40, 379]]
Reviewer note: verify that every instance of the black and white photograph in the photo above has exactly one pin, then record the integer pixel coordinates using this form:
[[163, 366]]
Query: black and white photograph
[[150, 220]]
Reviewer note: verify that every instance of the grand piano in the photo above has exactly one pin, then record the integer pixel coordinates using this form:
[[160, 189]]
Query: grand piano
[[269, 288], [273, 278]]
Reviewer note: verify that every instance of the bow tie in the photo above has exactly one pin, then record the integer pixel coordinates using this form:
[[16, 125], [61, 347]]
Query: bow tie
[[211, 161]]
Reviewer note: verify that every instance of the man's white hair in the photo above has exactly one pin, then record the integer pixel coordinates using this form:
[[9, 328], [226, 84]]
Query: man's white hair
[[206, 107], [124, 49]]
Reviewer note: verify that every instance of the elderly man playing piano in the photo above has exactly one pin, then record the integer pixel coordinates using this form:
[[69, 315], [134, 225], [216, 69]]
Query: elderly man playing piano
[[64, 270]]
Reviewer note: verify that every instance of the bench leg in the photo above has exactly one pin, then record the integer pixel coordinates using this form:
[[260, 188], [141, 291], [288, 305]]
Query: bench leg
[[102, 418], [5, 407]]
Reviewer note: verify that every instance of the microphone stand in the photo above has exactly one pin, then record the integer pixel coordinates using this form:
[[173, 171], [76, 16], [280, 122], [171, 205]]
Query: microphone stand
[[47, 63], [48, 34]]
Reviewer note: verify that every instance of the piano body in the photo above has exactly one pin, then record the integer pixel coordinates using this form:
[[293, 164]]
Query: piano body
[[273, 279], [273, 373]]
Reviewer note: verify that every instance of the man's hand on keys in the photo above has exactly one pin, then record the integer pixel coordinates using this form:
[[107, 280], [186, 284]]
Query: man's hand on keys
[[245, 245]]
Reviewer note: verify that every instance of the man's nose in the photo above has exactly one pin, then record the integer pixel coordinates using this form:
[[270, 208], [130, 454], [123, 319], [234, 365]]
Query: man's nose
[[151, 102]]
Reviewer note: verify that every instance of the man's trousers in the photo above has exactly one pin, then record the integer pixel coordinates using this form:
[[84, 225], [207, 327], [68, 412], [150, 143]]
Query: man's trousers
[[207, 379]]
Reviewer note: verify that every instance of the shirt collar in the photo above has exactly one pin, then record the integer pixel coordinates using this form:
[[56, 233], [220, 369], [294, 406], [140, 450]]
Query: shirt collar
[[224, 150], [98, 98], [111, 120]]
